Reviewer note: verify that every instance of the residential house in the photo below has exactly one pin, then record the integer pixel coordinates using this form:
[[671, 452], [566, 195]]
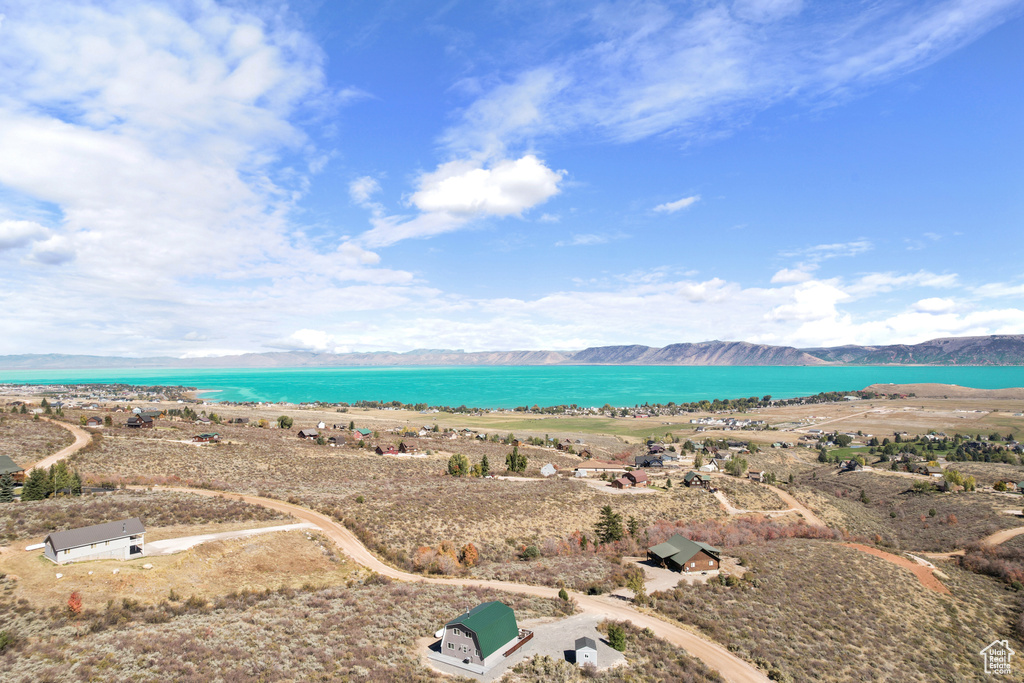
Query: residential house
[[850, 466], [634, 479], [755, 475], [719, 464], [94, 421], [385, 450], [203, 420], [480, 638], [585, 454], [681, 554], [648, 461], [8, 466], [139, 422], [308, 434], [364, 433], [548, 470], [123, 540], [697, 479], [206, 438], [598, 467], [655, 449]]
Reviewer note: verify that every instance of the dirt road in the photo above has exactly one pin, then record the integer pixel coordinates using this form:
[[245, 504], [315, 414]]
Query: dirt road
[[82, 439], [730, 667], [733, 510], [923, 573], [176, 545], [797, 505]]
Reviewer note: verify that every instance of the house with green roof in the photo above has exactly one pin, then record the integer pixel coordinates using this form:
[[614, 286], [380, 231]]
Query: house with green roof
[[697, 479], [681, 554], [8, 466], [478, 639]]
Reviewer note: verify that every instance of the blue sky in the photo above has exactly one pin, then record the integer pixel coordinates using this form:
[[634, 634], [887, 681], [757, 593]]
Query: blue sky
[[203, 178]]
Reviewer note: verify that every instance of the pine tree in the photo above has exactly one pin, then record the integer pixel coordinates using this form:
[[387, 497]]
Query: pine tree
[[37, 485], [485, 466], [6, 488], [609, 526]]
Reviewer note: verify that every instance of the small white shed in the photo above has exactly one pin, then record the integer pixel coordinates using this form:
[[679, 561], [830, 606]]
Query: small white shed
[[586, 651], [547, 470]]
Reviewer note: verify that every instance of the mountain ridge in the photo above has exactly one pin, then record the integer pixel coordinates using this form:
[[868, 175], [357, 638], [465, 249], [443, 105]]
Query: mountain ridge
[[988, 350]]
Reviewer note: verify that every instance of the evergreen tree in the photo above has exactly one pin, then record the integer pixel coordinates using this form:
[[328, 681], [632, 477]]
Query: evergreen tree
[[37, 485], [617, 637], [609, 526], [6, 488], [485, 466]]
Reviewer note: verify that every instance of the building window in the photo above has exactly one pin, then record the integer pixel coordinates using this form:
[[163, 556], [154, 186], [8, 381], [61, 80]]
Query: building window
[[693, 564], [451, 646]]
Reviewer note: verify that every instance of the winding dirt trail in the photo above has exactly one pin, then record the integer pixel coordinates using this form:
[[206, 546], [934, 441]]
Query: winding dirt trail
[[82, 439], [797, 505], [923, 573], [730, 667]]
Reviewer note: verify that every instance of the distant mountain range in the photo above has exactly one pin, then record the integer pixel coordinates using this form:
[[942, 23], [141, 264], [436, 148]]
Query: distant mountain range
[[991, 350]]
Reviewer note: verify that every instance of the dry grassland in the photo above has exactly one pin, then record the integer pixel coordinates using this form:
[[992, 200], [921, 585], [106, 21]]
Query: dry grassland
[[26, 440], [34, 519], [747, 495], [811, 600], [407, 502], [896, 515], [268, 561], [364, 633]]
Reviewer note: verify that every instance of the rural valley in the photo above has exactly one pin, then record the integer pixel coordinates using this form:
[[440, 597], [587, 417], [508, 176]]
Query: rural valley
[[866, 536]]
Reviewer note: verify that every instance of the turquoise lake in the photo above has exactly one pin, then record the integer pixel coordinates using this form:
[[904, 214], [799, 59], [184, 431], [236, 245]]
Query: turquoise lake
[[508, 387]]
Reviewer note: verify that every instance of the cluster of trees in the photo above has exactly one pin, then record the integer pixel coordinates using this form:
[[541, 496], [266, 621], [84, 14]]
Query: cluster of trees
[[610, 527], [515, 461], [458, 466], [59, 480]]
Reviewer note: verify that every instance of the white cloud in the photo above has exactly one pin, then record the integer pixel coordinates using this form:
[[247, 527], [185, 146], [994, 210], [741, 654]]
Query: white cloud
[[160, 140], [505, 188], [696, 69], [362, 189], [790, 276], [585, 240], [821, 252], [679, 204], [935, 305], [14, 234], [461, 191], [877, 283], [53, 251], [766, 10]]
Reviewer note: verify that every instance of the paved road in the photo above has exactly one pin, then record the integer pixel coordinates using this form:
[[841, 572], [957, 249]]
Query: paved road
[[176, 545]]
